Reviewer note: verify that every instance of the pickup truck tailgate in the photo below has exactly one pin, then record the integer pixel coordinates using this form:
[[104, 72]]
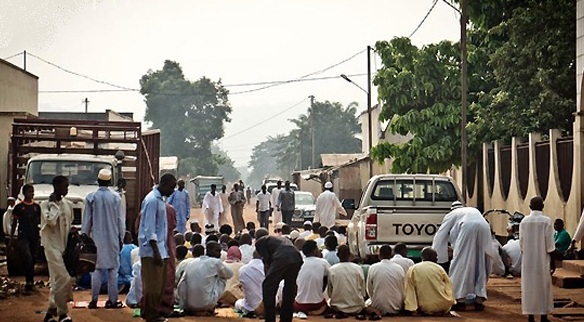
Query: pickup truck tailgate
[[411, 225]]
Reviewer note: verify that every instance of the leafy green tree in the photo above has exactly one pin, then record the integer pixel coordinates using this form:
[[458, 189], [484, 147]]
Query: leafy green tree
[[190, 115], [226, 165], [521, 67], [334, 127]]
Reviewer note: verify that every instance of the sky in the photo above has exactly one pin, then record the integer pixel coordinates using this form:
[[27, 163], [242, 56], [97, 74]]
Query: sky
[[237, 41]]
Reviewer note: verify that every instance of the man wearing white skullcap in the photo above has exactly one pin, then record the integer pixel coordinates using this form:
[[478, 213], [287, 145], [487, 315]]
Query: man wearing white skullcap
[[104, 220], [327, 207]]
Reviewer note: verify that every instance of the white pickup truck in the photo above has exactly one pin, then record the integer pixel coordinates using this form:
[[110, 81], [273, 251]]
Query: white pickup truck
[[399, 208]]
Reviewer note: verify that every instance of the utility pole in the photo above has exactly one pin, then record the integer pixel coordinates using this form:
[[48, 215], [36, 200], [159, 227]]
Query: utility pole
[[86, 101], [464, 90], [369, 122], [312, 131], [24, 58]]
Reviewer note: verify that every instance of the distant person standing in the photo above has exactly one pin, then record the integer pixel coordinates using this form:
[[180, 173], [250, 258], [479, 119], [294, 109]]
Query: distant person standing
[[237, 200], [26, 216], [56, 218], [7, 220], [275, 193], [212, 206], [224, 216], [104, 220], [182, 204], [152, 237], [536, 238], [263, 207], [248, 195], [286, 203], [328, 206]]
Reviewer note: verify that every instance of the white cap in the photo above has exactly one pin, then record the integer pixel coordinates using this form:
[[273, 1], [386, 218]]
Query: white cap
[[308, 223], [104, 174], [294, 234], [279, 226], [210, 228], [328, 185], [455, 205]]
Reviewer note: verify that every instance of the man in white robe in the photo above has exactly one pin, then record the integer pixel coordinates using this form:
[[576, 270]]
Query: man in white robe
[[275, 194], [536, 238], [104, 221], [470, 237], [251, 277], [328, 206], [181, 202], [212, 206], [224, 216], [385, 284]]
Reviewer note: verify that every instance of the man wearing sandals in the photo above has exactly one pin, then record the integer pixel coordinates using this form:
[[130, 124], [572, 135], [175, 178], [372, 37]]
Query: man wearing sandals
[[104, 220], [56, 218]]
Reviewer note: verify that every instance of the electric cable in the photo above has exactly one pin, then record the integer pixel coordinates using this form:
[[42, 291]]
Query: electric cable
[[423, 20]]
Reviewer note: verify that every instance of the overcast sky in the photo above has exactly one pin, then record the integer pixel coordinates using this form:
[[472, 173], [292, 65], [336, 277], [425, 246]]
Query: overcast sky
[[237, 41]]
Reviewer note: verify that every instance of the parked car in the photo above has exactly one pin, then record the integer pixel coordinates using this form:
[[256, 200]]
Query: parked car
[[305, 208], [399, 208]]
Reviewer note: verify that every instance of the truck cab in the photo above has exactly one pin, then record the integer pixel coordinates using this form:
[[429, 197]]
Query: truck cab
[[399, 208], [81, 170]]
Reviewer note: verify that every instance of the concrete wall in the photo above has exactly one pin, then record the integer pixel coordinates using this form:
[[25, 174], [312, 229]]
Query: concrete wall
[[555, 204], [18, 89]]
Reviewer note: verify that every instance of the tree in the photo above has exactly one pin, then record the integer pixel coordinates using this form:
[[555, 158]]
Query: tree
[[334, 128], [521, 67], [190, 115], [419, 88], [226, 165]]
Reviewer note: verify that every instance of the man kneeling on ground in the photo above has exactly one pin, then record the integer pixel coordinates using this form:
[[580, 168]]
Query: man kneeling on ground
[[203, 282], [428, 287]]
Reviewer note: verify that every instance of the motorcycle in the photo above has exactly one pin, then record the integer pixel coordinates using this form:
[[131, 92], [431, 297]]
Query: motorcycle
[[515, 219]]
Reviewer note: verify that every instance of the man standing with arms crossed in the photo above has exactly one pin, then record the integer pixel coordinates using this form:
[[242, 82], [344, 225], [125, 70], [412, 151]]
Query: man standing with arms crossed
[[286, 203], [327, 207], [104, 221], [212, 206], [56, 218], [152, 234]]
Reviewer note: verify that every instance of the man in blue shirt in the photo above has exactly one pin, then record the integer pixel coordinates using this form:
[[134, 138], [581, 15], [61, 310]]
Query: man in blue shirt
[[181, 203], [152, 234]]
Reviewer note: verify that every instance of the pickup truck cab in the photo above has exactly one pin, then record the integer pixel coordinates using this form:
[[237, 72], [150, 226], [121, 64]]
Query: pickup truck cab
[[399, 208]]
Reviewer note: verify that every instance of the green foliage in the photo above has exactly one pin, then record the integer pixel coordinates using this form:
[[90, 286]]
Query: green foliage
[[420, 91], [226, 165], [334, 129], [190, 115], [521, 79]]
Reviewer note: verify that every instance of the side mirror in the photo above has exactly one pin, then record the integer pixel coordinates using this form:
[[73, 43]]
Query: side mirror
[[349, 204]]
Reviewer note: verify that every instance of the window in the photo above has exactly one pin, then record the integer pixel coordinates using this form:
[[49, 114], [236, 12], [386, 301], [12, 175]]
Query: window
[[78, 172], [423, 190]]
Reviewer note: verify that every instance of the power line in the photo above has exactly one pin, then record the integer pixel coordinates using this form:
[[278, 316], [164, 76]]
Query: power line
[[124, 88], [451, 5], [302, 77], [177, 93], [12, 56], [425, 17], [265, 120], [80, 75]]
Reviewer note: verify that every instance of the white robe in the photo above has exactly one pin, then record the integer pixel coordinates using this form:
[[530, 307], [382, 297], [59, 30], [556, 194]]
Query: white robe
[[327, 207], [447, 233], [212, 207], [536, 238], [385, 285], [472, 253], [277, 214]]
